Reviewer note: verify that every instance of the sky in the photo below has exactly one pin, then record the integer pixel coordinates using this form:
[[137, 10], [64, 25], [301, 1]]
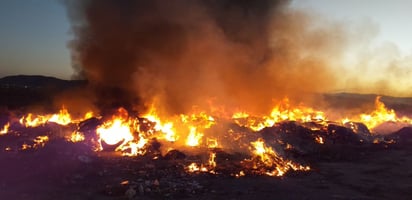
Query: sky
[[34, 33], [33, 38], [391, 17]]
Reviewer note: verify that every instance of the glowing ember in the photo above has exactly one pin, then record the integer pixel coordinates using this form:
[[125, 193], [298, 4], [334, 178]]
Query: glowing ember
[[240, 174], [319, 139], [212, 143], [5, 129], [25, 146], [212, 162], [76, 137], [40, 141], [193, 167]]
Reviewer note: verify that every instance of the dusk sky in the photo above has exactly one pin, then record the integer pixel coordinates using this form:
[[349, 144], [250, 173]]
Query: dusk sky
[[33, 38], [34, 33]]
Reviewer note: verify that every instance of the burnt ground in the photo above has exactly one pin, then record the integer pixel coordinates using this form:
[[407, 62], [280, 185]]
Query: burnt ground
[[62, 170]]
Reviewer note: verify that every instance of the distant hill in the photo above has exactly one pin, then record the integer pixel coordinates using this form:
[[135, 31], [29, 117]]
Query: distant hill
[[21, 91], [38, 82], [348, 101]]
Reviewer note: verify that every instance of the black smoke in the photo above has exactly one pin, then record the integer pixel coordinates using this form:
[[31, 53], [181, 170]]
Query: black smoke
[[181, 53]]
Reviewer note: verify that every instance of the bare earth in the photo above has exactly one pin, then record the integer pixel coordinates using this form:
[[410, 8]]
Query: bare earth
[[63, 171]]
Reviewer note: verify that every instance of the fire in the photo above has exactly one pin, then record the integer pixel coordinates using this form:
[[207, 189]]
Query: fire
[[113, 132], [240, 174], [201, 119], [212, 162], [166, 128], [380, 115], [240, 115], [88, 115], [130, 135], [194, 137], [212, 143], [272, 160], [136, 148], [319, 140], [32, 121], [40, 141], [119, 131], [5, 129], [76, 137], [262, 151], [193, 167], [283, 111], [208, 167], [62, 118], [345, 120]]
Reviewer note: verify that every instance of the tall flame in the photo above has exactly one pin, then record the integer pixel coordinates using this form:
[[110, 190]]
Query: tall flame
[[62, 118], [379, 115], [166, 127], [194, 137]]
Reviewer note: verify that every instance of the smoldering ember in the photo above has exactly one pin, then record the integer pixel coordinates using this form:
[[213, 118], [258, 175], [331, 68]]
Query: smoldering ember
[[212, 99]]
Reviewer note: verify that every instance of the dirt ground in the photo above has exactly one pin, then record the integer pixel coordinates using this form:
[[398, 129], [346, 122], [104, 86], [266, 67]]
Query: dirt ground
[[70, 171]]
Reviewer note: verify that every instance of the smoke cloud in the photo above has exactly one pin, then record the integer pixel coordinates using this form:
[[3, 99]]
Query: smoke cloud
[[240, 54]]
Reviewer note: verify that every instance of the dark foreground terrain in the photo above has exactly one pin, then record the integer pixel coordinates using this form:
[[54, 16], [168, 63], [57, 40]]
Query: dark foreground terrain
[[62, 171]]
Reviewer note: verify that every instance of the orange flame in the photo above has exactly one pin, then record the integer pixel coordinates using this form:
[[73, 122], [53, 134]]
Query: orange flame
[[379, 115], [76, 137], [119, 131], [194, 137], [62, 118], [31, 121], [166, 128], [271, 159], [283, 111]]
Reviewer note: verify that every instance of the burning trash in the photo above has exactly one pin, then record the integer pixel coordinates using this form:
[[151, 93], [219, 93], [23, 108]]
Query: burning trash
[[176, 96], [271, 145]]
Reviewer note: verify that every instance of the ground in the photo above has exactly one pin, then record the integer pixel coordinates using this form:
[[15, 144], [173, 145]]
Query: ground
[[69, 171]]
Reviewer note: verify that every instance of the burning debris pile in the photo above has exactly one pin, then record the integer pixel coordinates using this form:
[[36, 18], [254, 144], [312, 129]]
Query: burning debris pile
[[195, 88], [161, 154], [284, 141]]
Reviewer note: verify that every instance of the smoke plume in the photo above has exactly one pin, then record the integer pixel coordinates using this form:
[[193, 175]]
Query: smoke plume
[[241, 54]]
